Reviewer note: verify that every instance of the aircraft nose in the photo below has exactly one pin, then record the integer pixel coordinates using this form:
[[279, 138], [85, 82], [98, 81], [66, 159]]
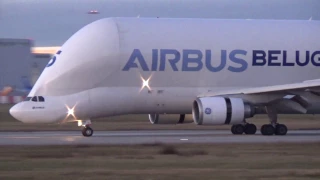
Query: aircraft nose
[[16, 112], [28, 113]]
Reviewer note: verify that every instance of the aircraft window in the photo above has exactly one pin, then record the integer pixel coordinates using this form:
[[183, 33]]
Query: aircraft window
[[41, 99], [35, 99]]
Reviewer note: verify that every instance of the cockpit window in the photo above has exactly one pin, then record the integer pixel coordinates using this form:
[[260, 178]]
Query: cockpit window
[[41, 99], [28, 99], [35, 99]]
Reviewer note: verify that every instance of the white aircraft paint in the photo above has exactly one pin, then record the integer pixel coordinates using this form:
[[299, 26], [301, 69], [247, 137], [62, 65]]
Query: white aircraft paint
[[88, 74]]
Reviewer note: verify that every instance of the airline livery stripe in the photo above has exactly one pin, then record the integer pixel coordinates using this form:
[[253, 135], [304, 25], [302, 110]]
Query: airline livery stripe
[[229, 111]]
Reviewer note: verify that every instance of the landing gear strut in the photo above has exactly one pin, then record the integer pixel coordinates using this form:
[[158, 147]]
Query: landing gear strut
[[273, 127], [87, 131]]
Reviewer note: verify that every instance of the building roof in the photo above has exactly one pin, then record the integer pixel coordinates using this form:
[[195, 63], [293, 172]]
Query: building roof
[[45, 50]]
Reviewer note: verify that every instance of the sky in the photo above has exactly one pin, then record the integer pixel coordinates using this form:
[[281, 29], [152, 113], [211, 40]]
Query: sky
[[52, 22]]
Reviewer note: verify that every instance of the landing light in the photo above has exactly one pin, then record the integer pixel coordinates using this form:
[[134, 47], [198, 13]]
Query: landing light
[[145, 83], [71, 111]]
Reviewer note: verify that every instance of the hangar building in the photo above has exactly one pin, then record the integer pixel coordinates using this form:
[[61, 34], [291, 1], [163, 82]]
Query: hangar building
[[20, 67]]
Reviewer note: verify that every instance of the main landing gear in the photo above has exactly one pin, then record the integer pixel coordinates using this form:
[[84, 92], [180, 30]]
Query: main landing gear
[[277, 129], [273, 127], [244, 128], [267, 129], [87, 131]]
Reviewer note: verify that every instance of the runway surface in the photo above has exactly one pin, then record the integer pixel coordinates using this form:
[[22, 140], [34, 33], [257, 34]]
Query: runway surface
[[142, 137]]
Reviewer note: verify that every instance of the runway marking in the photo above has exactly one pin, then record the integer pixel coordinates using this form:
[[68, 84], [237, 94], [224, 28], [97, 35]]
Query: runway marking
[[184, 139], [23, 137]]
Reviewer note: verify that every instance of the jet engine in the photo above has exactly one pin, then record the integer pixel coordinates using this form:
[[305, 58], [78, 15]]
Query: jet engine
[[220, 110], [170, 118]]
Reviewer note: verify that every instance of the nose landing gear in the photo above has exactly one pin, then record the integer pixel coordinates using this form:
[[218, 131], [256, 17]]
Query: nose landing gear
[[87, 131]]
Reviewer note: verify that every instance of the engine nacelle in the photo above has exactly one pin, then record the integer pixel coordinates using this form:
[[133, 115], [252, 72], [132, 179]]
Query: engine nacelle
[[170, 118], [220, 110]]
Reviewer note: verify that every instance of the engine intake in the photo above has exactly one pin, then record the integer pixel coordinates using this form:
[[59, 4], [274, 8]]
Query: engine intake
[[220, 110]]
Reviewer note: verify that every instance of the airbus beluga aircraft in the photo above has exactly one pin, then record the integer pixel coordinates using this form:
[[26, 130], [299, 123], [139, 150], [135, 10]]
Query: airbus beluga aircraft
[[220, 71]]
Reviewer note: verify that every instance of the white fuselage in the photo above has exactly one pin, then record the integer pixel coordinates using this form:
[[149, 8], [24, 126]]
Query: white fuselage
[[102, 68]]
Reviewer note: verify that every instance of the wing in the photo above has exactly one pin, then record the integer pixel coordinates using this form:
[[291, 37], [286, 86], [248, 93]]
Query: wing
[[310, 85], [296, 96]]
